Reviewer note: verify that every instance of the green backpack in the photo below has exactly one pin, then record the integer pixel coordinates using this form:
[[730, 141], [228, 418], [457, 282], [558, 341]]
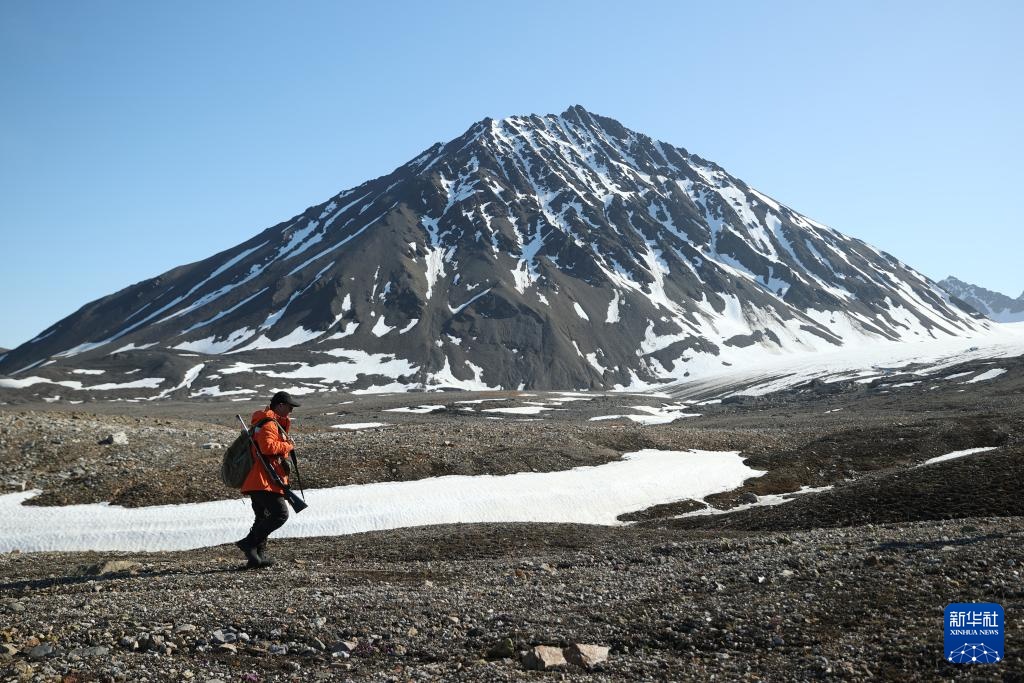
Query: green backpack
[[237, 461]]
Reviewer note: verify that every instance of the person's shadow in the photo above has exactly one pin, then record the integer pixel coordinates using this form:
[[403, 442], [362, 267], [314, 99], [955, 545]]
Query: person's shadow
[[35, 584]]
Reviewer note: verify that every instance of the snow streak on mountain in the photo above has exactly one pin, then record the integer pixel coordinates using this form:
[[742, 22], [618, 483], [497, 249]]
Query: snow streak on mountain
[[531, 252], [993, 305]]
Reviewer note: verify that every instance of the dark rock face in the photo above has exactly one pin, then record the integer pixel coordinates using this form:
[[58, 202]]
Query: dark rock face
[[531, 252], [992, 305]]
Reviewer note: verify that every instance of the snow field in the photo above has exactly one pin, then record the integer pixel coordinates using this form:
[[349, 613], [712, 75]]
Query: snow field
[[583, 495]]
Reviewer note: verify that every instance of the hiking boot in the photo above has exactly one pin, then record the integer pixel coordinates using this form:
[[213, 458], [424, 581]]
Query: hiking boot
[[265, 561], [251, 556]]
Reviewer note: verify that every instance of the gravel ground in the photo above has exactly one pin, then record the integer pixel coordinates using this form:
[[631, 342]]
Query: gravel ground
[[846, 584], [465, 602]]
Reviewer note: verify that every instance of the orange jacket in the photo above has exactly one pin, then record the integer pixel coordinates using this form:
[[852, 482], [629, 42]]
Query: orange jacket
[[274, 447]]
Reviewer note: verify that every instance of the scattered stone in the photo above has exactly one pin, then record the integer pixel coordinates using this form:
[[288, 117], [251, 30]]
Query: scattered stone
[[345, 646], [24, 670], [41, 651], [222, 636], [502, 650], [115, 439]]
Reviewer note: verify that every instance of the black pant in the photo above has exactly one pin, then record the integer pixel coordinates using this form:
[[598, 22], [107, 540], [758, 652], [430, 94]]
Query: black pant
[[271, 512]]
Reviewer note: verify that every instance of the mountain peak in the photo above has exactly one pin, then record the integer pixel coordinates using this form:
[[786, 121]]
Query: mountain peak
[[993, 305], [555, 251]]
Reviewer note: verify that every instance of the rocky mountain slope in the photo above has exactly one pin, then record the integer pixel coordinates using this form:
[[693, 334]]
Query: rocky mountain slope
[[531, 252], [993, 305]]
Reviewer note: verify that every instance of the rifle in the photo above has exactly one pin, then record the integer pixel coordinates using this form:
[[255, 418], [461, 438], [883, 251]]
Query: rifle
[[298, 504], [298, 477]]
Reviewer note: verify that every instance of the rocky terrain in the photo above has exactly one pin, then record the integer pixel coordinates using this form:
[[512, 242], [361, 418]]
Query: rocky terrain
[[846, 583]]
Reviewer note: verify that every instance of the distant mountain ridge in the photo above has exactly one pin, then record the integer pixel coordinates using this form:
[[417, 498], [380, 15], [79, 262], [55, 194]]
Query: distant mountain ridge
[[557, 251], [993, 305]]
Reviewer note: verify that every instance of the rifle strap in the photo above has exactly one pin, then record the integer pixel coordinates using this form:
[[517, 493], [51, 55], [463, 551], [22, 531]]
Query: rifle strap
[[281, 431], [262, 458]]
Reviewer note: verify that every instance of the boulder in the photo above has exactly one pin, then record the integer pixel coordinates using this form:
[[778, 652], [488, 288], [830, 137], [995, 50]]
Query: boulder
[[543, 657], [586, 656]]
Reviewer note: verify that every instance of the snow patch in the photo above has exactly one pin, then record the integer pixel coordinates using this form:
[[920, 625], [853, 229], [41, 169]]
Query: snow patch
[[417, 410], [211, 346], [381, 328], [613, 309], [957, 454], [299, 335], [985, 376]]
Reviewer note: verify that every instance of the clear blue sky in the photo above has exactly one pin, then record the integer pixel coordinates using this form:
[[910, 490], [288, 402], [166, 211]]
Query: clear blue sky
[[139, 136]]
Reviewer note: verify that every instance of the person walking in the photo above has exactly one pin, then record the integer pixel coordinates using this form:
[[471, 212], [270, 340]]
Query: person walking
[[268, 499]]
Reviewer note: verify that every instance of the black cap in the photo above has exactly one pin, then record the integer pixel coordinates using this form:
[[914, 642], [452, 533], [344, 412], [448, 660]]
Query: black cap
[[283, 397]]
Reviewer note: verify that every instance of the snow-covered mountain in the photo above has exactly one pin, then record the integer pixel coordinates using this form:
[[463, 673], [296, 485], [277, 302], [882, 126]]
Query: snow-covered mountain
[[993, 305], [558, 251]]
